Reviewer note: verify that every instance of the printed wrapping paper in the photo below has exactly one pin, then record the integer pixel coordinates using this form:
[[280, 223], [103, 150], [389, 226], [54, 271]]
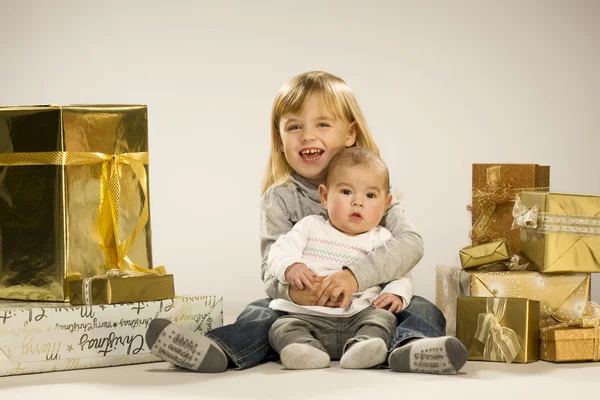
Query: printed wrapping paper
[[485, 253], [451, 282], [499, 329], [44, 337], [566, 235], [124, 289], [66, 175], [561, 296], [495, 187]]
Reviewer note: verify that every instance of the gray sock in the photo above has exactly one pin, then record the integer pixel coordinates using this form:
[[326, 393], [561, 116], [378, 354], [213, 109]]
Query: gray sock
[[184, 348], [443, 355], [364, 354], [303, 356]]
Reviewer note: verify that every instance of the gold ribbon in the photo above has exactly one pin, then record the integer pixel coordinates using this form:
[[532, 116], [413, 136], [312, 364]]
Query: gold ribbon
[[116, 251], [501, 343], [514, 264], [590, 318], [487, 200]]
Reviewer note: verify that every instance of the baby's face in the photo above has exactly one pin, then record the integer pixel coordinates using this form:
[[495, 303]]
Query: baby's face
[[355, 199]]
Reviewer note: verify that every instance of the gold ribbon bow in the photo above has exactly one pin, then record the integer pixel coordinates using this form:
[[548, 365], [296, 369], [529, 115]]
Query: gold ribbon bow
[[115, 250], [487, 200], [501, 343], [523, 216]]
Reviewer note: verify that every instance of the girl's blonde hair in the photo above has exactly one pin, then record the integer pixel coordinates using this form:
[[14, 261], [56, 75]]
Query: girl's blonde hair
[[292, 97]]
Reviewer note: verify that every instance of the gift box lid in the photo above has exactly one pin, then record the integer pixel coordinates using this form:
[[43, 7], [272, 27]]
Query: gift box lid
[[567, 333]]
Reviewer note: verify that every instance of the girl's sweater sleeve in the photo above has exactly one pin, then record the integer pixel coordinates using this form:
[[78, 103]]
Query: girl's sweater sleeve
[[274, 222], [394, 258]]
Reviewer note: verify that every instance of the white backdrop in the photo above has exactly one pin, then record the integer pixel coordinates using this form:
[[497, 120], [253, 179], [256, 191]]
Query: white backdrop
[[443, 85]]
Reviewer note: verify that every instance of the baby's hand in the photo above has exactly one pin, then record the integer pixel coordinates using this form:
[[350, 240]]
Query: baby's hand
[[394, 302], [298, 275]]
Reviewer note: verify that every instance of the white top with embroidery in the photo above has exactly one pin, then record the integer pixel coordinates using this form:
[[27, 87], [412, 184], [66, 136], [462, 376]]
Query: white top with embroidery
[[325, 250]]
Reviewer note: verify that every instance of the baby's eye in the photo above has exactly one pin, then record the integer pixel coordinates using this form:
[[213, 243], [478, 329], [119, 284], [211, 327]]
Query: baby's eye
[[346, 192], [371, 195]]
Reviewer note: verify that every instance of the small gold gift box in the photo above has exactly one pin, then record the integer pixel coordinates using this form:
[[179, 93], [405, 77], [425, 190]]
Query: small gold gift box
[[482, 254], [499, 328], [573, 340], [115, 288]]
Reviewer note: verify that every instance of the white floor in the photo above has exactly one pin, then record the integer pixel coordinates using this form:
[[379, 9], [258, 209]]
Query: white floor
[[478, 380]]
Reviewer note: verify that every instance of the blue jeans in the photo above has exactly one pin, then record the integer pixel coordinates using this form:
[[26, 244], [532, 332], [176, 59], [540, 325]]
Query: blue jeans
[[246, 341]]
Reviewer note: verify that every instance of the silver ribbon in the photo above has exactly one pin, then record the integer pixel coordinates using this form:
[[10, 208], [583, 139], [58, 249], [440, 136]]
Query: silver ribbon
[[567, 224], [111, 273]]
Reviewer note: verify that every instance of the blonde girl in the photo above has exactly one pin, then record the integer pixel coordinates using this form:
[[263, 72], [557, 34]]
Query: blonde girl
[[314, 116]]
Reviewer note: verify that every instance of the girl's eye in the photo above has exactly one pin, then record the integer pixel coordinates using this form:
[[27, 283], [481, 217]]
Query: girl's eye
[[293, 127], [346, 192], [370, 195], [323, 125]]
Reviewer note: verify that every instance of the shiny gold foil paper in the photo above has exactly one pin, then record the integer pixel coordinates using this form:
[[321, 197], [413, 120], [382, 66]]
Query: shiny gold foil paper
[[486, 253], [560, 242], [568, 344], [55, 220], [561, 296], [451, 282], [105, 290], [495, 187], [521, 316]]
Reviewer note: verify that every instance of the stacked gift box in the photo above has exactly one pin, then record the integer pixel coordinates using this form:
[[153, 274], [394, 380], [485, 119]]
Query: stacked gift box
[[523, 290], [77, 283]]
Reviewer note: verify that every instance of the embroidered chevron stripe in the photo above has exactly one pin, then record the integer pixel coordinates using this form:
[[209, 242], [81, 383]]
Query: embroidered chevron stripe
[[332, 259], [329, 253], [336, 244]]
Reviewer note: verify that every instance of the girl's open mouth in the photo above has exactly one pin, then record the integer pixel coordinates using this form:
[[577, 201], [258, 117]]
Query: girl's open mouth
[[311, 155]]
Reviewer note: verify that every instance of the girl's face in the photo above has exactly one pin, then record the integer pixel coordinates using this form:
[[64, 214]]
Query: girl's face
[[311, 139]]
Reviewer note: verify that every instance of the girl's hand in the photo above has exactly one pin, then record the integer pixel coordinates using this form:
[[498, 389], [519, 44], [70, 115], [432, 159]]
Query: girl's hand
[[394, 302], [337, 287], [300, 276], [308, 297]]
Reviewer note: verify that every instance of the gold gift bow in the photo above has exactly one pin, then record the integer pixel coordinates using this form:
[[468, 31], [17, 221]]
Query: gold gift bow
[[501, 343], [86, 284], [108, 213], [532, 218], [488, 199], [590, 318]]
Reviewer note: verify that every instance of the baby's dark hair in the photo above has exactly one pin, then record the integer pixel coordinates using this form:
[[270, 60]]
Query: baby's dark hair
[[353, 156]]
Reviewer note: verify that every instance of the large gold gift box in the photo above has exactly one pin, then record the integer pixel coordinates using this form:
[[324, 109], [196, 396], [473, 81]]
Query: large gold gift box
[[495, 187], [563, 344], [562, 296], [126, 289], [74, 203], [498, 329], [486, 253], [566, 235]]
